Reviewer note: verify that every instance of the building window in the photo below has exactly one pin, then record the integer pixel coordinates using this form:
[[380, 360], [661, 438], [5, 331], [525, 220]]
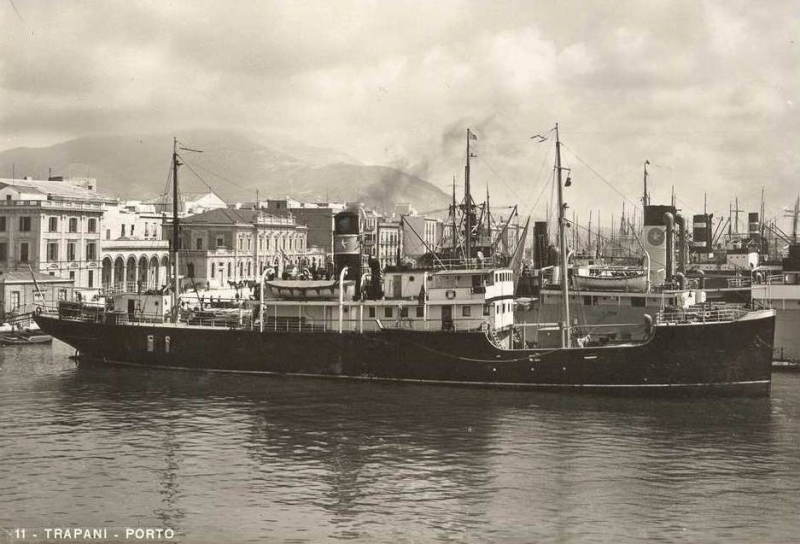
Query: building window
[[52, 252], [108, 234], [198, 244], [403, 312], [91, 278], [122, 230], [14, 300], [72, 274], [146, 230], [92, 227], [190, 270], [230, 270], [52, 224], [71, 251], [2, 223], [25, 223], [220, 241], [62, 294], [73, 224], [91, 251], [23, 251], [213, 267], [3, 251]]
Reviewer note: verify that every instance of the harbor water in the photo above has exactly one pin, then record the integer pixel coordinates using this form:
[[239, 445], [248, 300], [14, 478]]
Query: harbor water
[[243, 458]]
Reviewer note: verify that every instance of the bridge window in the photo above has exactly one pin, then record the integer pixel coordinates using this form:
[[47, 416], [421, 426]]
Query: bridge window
[[387, 312], [466, 311]]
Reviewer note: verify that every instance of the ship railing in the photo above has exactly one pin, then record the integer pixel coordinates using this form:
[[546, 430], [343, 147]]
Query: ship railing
[[739, 282], [458, 325], [466, 264], [699, 315], [774, 278]]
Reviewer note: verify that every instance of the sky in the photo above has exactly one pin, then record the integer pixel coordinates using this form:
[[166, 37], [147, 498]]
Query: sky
[[707, 91]]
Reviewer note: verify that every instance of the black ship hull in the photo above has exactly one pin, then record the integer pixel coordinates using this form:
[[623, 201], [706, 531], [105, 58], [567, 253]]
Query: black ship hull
[[721, 358]]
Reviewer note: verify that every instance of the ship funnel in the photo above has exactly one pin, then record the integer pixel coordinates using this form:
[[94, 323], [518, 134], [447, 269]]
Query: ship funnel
[[347, 246], [654, 241]]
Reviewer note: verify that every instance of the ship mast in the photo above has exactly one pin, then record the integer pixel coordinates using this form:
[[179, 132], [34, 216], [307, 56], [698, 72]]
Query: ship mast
[[566, 337], [468, 204], [646, 198], [175, 234], [176, 239], [488, 219], [455, 227]]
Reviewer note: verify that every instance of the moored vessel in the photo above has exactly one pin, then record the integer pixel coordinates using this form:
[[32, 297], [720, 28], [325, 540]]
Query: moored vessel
[[451, 326]]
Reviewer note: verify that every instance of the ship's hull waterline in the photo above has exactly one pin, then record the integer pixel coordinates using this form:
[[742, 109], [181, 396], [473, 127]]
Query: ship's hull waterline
[[725, 358]]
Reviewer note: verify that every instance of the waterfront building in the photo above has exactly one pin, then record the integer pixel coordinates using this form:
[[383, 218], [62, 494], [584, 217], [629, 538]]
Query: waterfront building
[[421, 235], [390, 242], [22, 290], [65, 228], [317, 218], [227, 246], [53, 227], [133, 251], [369, 236]]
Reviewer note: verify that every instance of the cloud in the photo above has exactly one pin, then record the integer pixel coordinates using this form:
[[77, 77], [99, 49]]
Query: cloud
[[706, 87]]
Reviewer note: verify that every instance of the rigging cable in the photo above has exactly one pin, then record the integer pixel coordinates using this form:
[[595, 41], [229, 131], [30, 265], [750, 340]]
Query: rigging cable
[[635, 204], [189, 166]]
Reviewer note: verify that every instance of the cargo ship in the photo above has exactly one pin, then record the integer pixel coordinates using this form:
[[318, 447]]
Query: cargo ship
[[450, 326]]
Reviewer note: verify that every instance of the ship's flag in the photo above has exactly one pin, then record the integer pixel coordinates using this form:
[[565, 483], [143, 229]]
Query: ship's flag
[[471, 135]]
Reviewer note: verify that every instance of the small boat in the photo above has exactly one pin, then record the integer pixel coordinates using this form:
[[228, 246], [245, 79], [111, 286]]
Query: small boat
[[308, 289], [610, 279], [24, 338]]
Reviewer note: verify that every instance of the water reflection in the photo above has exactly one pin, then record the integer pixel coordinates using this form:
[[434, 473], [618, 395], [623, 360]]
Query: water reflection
[[298, 459]]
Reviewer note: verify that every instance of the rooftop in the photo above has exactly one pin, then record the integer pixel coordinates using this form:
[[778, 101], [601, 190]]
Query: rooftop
[[55, 189]]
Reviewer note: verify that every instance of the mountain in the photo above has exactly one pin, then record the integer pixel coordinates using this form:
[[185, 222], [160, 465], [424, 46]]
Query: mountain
[[236, 165]]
